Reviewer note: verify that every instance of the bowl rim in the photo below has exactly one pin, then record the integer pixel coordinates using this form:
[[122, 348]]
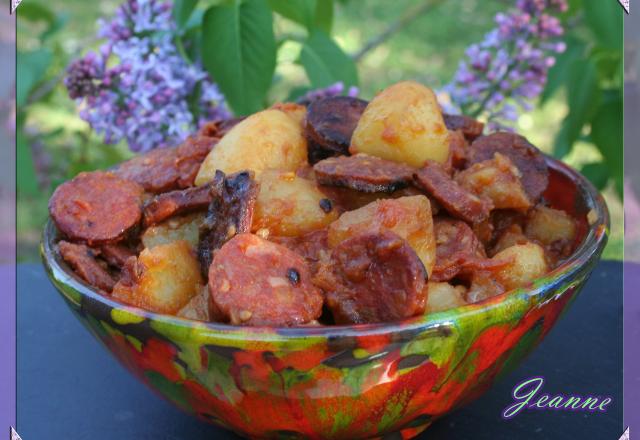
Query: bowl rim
[[590, 248]]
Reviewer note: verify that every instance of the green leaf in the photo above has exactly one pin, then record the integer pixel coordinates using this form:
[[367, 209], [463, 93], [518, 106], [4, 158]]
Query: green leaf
[[300, 11], [239, 51], [559, 73], [324, 15], [31, 68], [597, 173], [34, 12], [607, 135], [25, 171], [325, 63], [605, 21], [182, 10], [583, 99]]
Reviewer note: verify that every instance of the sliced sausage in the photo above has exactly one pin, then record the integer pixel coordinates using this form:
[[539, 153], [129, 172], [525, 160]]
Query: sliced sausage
[[116, 254], [469, 127], [166, 169], [313, 246], [456, 200], [458, 146], [219, 127], [526, 157], [230, 212], [182, 201], [363, 173], [97, 207], [373, 277], [82, 260], [253, 281], [331, 121]]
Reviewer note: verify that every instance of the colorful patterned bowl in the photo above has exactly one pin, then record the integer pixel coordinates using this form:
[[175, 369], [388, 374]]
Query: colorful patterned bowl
[[341, 382]]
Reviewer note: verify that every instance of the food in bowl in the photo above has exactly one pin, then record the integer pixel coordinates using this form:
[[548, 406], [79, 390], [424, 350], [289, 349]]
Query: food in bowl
[[335, 212]]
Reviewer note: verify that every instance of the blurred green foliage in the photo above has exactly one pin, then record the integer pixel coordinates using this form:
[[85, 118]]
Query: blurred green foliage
[[278, 49]]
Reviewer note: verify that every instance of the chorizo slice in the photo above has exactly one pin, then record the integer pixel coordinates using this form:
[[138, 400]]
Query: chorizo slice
[[331, 121], [373, 277], [230, 212], [255, 282], [363, 173], [470, 128], [457, 150], [458, 250], [116, 254], [83, 261], [97, 207], [166, 205], [219, 127], [313, 246], [526, 157], [456, 200], [166, 169]]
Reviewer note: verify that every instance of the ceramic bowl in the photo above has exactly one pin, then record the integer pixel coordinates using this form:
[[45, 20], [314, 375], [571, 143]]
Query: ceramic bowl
[[341, 382]]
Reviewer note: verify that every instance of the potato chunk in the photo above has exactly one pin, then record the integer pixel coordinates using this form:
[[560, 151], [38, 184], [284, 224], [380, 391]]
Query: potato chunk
[[297, 112], [409, 217], [527, 262], [289, 205], [162, 279], [444, 296], [177, 228], [270, 139], [403, 123], [548, 225], [498, 180]]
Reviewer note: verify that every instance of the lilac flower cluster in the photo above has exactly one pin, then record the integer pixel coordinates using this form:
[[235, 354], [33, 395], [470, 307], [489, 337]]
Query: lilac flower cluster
[[504, 73], [138, 87], [335, 89]]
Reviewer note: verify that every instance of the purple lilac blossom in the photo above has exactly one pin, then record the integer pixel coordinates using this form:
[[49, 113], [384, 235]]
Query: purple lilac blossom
[[504, 73], [138, 87]]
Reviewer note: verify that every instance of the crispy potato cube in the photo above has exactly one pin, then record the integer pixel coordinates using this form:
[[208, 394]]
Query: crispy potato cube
[[177, 228], [289, 205], [297, 112], [409, 217], [548, 225], [526, 263], [498, 180], [198, 307], [444, 296], [511, 236], [403, 123], [162, 279], [270, 139]]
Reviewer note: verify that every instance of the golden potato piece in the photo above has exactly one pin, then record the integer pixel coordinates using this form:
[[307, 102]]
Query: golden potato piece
[[162, 279], [511, 236], [290, 206], [297, 112], [177, 228], [527, 262], [409, 217], [270, 139], [444, 296], [403, 123], [198, 307], [548, 225], [498, 180]]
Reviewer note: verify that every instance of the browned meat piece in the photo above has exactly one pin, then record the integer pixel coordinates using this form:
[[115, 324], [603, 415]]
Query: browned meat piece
[[313, 246], [526, 157], [458, 250], [457, 150], [82, 260], [182, 201], [456, 200], [230, 212], [330, 123], [116, 254], [219, 127], [253, 281], [469, 127], [363, 173], [373, 277], [96, 207], [166, 169]]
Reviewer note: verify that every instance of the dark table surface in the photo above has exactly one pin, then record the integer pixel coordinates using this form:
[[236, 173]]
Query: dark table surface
[[70, 388]]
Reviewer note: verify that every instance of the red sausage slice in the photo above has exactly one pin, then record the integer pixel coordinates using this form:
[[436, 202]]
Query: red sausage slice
[[456, 200], [363, 173], [166, 205], [96, 207], [470, 128], [373, 277], [253, 281], [82, 260]]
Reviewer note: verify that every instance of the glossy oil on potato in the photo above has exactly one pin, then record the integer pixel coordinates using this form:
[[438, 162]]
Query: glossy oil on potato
[[548, 225], [409, 217], [177, 228], [289, 205], [527, 262], [404, 124], [167, 277], [270, 139], [444, 296]]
